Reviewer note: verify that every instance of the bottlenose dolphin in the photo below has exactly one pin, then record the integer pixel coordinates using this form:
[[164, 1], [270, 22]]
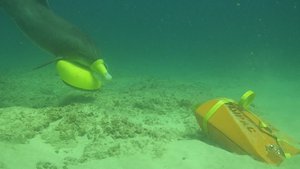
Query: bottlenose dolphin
[[51, 32]]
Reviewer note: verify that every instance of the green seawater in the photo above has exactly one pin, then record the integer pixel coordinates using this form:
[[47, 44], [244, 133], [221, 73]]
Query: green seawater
[[165, 56]]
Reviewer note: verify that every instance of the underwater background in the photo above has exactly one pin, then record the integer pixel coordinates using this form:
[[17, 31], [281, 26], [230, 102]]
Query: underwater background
[[178, 35], [165, 57]]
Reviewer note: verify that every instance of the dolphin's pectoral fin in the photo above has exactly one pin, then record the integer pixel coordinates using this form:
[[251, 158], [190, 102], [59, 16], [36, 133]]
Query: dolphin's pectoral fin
[[48, 63], [43, 2]]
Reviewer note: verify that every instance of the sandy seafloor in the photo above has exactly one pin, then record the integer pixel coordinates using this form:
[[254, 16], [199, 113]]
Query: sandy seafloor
[[133, 122]]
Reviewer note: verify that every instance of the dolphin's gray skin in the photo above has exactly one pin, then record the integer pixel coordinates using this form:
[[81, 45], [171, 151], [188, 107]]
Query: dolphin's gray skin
[[50, 31]]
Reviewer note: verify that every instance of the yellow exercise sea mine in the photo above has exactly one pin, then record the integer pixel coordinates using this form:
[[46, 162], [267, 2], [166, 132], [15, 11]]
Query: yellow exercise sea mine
[[235, 128]]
